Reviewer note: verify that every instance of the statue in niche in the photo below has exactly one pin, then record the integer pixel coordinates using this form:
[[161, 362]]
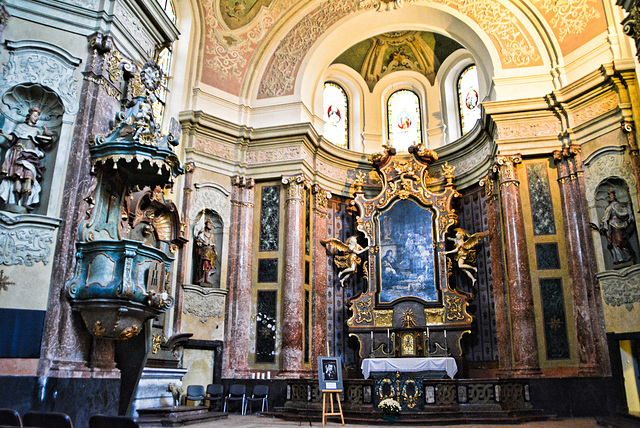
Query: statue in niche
[[350, 260], [206, 255], [618, 225], [463, 245], [22, 167]]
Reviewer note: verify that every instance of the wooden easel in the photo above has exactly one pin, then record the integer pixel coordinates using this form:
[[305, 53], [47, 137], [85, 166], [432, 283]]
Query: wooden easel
[[331, 393]]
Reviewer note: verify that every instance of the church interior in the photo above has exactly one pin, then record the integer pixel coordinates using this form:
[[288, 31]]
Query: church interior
[[432, 202]]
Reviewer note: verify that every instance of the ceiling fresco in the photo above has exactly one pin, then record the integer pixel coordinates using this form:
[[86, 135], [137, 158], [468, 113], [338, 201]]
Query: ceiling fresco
[[235, 30], [420, 51], [238, 13]]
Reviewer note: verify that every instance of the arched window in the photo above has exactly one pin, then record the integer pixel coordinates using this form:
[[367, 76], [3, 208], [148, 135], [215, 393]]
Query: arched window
[[167, 5], [403, 115], [468, 98], [164, 58], [336, 117], [164, 62]]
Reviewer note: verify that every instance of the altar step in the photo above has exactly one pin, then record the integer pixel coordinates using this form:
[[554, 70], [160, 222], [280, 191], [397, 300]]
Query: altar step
[[177, 416], [431, 417]]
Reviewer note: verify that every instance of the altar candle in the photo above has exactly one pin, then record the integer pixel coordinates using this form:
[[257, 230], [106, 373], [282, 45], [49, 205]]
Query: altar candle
[[427, 331], [388, 335], [445, 335]]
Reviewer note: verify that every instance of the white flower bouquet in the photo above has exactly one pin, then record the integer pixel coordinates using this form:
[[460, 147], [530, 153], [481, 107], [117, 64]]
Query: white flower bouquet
[[390, 407]]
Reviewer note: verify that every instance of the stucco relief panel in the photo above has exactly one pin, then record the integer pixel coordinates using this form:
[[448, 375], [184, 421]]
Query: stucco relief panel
[[274, 155], [596, 109], [214, 199], [218, 149], [621, 288], [529, 129], [132, 24], [607, 166], [34, 66]]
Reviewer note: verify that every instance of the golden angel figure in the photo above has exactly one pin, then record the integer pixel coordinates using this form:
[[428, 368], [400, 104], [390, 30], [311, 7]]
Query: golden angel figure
[[463, 245], [350, 260]]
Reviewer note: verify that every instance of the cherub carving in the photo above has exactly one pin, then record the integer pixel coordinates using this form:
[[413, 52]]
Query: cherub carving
[[463, 245], [350, 260]]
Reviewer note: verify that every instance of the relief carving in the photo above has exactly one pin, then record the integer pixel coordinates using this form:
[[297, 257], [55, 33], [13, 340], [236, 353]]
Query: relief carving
[[621, 287], [569, 17], [23, 242], [605, 166], [204, 303], [52, 68]]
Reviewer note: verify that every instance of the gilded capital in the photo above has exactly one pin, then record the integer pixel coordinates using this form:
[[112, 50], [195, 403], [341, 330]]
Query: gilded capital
[[295, 186], [505, 167]]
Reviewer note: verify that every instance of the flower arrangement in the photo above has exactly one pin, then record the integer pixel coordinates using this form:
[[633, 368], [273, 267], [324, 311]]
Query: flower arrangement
[[390, 408], [176, 392]]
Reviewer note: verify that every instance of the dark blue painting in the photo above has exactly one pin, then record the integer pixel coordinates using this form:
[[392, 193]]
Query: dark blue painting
[[407, 264]]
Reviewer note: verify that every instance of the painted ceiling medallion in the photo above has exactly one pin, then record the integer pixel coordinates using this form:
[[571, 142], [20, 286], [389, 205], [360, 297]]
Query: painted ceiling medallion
[[238, 13]]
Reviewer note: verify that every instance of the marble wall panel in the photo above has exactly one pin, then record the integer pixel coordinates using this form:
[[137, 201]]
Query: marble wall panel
[[540, 198], [547, 256], [266, 317], [269, 218], [267, 270], [555, 322]]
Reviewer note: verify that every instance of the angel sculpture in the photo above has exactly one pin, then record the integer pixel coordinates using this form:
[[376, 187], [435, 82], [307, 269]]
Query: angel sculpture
[[463, 245], [350, 260]]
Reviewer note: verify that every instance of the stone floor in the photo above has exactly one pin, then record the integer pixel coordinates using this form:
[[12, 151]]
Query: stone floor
[[238, 421]]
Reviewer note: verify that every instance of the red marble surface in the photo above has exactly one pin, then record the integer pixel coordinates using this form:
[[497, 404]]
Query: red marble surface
[[523, 329], [293, 282], [319, 311]]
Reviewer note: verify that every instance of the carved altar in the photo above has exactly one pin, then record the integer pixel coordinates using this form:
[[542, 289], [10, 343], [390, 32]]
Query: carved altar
[[410, 308]]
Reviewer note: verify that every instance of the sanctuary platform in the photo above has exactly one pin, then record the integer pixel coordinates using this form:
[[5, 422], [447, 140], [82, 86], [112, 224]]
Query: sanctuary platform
[[435, 401], [177, 416]]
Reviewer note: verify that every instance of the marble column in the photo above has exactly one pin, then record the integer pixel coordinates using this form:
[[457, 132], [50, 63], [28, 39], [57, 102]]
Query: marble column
[[576, 259], [181, 267], [500, 297], [590, 327], [518, 276], [319, 314], [293, 282], [238, 314], [66, 344]]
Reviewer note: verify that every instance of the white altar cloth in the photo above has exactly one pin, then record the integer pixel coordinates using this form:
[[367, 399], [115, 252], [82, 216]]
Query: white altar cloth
[[447, 364]]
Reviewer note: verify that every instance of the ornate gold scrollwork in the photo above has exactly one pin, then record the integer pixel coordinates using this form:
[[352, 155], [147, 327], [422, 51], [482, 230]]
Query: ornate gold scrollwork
[[98, 331], [434, 316], [454, 308], [363, 311], [128, 333], [392, 389], [411, 400], [383, 318]]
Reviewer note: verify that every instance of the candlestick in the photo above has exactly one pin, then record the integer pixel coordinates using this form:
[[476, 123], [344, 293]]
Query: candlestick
[[372, 344]]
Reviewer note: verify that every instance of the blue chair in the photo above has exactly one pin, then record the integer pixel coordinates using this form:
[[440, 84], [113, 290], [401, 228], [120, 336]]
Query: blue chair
[[194, 393], [10, 417], [46, 420], [214, 395], [259, 394], [237, 393]]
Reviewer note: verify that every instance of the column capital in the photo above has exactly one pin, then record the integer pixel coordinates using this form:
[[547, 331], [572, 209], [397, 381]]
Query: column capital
[[321, 198], [295, 186], [505, 167], [243, 181]]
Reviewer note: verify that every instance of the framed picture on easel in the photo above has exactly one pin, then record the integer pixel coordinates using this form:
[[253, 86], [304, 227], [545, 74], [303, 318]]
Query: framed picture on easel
[[330, 373]]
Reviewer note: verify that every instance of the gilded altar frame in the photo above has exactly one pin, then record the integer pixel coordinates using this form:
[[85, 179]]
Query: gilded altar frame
[[378, 323]]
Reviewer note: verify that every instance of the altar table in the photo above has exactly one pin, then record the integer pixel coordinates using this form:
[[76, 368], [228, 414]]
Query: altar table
[[447, 364]]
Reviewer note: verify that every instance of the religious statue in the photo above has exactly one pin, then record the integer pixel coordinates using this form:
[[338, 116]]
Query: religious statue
[[22, 167], [618, 224], [463, 245], [350, 260], [206, 254]]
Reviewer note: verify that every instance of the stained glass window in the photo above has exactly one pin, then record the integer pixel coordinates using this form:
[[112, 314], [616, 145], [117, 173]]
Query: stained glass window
[[164, 61], [403, 110], [336, 128], [167, 5], [468, 98]]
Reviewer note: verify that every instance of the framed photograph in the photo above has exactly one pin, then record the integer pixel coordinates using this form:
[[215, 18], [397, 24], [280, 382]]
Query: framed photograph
[[330, 373]]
